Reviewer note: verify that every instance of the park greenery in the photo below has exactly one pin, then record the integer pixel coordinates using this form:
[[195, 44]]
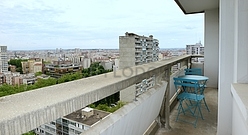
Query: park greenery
[[94, 69], [17, 63], [30, 133], [108, 108], [38, 74], [109, 104]]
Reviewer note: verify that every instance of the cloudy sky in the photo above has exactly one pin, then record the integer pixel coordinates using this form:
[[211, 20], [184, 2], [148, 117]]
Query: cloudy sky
[[90, 24]]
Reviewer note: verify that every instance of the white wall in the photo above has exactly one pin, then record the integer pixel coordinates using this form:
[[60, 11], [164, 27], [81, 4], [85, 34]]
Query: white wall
[[241, 40], [226, 68], [240, 114], [133, 118], [211, 48]]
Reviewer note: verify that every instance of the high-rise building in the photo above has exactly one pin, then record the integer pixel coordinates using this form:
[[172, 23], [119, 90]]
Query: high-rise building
[[136, 50], [3, 59], [197, 48]]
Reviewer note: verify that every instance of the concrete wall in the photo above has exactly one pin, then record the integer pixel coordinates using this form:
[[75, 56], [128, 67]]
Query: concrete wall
[[128, 94], [125, 121], [127, 59], [19, 115], [211, 50], [127, 52]]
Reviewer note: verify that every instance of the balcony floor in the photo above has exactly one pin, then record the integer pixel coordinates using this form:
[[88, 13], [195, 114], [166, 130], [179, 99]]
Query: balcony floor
[[208, 126]]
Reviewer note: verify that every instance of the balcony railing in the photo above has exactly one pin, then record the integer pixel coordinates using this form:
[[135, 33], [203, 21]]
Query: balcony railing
[[26, 111]]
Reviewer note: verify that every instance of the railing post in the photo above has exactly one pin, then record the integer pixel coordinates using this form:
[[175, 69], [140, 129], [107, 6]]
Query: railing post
[[167, 100], [190, 62], [164, 115]]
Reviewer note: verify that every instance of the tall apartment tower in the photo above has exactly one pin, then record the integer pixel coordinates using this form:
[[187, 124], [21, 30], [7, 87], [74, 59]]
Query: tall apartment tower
[[136, 50], [195, 49], [3, 59]]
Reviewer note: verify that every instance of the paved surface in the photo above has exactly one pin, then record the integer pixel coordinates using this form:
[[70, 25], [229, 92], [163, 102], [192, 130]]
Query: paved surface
[[208, 126]]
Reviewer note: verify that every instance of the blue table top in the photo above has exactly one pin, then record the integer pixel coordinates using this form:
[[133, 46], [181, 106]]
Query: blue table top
[[194, 77]]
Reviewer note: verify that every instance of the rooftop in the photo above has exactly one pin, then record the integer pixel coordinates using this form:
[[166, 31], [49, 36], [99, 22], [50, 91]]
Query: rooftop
[[77, 116]]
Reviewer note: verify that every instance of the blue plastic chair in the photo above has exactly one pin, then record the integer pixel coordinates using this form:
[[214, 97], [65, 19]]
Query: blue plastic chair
[[191, 99], [193, 71]]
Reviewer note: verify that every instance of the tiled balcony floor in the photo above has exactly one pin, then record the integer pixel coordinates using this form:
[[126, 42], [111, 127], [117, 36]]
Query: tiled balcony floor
[[208, 126]]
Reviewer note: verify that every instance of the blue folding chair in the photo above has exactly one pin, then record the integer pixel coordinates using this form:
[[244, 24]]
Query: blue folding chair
[[197, 71], [192, 100], [193, 71]]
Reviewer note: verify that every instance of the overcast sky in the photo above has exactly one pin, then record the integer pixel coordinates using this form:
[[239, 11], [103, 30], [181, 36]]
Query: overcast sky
[[90, 24]]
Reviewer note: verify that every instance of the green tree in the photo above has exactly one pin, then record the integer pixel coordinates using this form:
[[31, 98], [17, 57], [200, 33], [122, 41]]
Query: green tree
[[17, 63], [38, 73], [94, 69], [29, 133]]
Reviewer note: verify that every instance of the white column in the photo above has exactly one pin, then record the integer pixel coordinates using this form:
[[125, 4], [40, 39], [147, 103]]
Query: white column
[[211, 48], [226, 68], [241, 41]]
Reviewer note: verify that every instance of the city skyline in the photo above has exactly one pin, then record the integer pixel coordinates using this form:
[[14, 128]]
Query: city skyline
[[40, 25]]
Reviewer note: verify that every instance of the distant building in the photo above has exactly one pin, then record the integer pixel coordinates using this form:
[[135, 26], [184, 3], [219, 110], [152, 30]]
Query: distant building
[[116, 65], [2, 79], [33, 65], [107, 65], [74, 123], [198, 48], [136, 50], [3, 59], [59, 70], [86, 62]]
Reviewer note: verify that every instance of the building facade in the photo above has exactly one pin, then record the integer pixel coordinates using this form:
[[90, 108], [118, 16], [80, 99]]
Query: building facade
[[74, 123], [33, 65], [3, 59], [197, 48], [137, 50]]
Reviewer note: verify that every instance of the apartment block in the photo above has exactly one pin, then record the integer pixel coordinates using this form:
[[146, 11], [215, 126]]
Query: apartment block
[[3, 59], [136, 50], [197, 48], [57, 71], [32, 66], [74, 123]]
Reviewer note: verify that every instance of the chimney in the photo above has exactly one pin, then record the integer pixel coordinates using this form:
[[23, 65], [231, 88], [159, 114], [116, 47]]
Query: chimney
[[87, 112], [151, 36]]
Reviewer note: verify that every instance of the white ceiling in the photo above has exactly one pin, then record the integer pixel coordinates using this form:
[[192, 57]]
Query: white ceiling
[[197, 6]]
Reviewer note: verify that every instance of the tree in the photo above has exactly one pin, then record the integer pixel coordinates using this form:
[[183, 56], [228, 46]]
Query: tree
[[29, 133], [94, 69], [38, 73], [17, 63]]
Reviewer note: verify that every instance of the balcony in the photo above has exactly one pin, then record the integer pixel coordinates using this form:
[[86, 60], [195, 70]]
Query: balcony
[[52, 102], [208, 126]]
